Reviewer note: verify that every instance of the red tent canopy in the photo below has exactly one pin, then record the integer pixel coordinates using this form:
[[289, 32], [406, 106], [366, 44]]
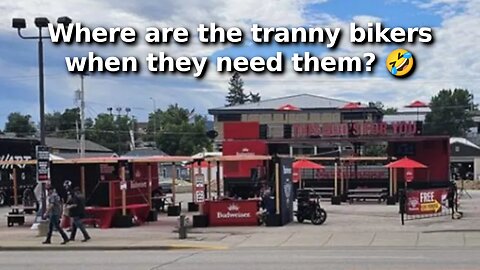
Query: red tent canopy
[[352, 106], [307, 164], [417, 104], [288, 107], [406, 163]]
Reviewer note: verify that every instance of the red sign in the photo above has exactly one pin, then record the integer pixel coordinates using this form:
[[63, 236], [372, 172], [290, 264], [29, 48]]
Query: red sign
[[426, 201], [354, 129], [409, 174], [232, 213]]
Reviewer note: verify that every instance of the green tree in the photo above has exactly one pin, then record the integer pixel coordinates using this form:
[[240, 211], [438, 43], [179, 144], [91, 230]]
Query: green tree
[[20, 124], [381, 107], [255, 97], [179, 131], [451, 113], [66, 124], [112, 131]]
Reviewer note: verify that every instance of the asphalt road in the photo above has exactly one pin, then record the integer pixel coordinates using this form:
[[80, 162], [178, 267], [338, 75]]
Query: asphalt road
[[298, 258]]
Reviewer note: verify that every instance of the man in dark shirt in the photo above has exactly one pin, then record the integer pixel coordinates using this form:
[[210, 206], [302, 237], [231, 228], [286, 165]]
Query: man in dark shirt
[[77, 212], [54, 211]]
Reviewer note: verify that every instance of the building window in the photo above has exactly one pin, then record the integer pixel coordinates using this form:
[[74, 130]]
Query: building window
[[164, 173], [178, 173], [284, 117], [457, 148], [272, 116], [308, 116]]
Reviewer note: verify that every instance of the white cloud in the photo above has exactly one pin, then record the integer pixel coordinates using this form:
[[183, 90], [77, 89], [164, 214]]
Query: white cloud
[[449, 62]]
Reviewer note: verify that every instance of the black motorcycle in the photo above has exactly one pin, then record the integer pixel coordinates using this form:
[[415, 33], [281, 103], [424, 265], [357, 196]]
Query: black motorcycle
[[309, 207]]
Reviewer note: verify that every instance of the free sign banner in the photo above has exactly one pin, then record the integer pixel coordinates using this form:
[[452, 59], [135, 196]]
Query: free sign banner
[[426, 201]]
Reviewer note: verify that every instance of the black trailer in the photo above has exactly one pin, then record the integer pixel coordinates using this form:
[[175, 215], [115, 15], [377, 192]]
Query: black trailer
[[16, 149]]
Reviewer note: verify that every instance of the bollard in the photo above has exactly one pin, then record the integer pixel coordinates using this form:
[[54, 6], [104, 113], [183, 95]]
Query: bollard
[[182, 229]]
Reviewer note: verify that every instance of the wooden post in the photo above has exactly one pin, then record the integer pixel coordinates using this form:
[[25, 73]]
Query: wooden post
[[395, 181], [335, 179], [341, 178], [218, 179], [174, 175], [209, 176], [124, 191], [300, 178], [192, 180], [15, 190], [277, 188], [82, 179], [150, 185], [390, 176]]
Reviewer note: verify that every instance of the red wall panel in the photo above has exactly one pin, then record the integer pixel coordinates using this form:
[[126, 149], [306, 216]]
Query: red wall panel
[[241, 169], [241, 130]]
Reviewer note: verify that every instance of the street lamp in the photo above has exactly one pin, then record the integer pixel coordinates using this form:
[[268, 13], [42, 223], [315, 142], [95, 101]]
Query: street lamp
[[40, 23]]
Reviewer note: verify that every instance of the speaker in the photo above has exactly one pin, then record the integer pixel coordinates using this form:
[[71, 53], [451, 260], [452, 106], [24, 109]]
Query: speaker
[[192, 207], [287, 131], [263, 131], [419, 129]]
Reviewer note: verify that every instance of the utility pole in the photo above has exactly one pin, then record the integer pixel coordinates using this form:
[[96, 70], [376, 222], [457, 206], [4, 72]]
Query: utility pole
[[154, 119], [82, 115]]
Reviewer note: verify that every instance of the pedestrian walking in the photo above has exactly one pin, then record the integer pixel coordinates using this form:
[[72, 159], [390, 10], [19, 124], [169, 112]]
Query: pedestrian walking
[[77, 213], [54, 212]]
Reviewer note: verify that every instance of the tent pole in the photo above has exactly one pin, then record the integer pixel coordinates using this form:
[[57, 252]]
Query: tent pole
[[82, 179], [15, 190], [124, 192], [150, 185], [277, 188], [218, 179], [390, 176], [174, 175], [209, 176], [335, 188]]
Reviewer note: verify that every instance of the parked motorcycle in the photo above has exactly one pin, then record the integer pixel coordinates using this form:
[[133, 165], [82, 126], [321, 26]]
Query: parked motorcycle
[[309, 207]]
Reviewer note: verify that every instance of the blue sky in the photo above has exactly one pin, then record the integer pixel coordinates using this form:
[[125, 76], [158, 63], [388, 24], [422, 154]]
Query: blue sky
[[449, 62]]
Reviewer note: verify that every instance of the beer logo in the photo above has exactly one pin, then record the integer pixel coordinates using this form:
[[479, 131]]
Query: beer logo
[[233, 208]]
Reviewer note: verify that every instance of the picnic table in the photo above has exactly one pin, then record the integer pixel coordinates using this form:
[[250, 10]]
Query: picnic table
[[357, 194]]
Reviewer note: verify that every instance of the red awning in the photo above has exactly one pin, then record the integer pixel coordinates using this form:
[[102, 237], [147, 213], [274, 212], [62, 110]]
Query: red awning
[[352, 106], [307, 164], [406, 163], [288, 107], [417, 104]]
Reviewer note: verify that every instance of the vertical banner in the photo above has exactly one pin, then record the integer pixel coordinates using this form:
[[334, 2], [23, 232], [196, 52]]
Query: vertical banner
[[199, 188], [43, 163], [286, 190]]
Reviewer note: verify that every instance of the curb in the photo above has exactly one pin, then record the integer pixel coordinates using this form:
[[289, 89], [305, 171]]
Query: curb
[[109, 248]]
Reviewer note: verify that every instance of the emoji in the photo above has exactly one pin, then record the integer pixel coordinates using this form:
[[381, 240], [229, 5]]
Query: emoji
[[400, 63]]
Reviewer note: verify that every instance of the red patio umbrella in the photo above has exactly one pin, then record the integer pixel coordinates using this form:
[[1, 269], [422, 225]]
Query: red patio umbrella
[[303, 164], [417, 104], [288, 107], [406, 163], [352, 106]]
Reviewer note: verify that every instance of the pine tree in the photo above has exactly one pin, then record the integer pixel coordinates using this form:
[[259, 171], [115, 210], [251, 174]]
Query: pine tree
[[235, 94]]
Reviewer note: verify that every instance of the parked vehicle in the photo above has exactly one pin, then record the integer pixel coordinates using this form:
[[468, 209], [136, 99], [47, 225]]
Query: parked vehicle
[[309, 207]]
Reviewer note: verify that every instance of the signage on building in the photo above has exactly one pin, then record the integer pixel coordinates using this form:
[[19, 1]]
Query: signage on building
[[43, 163], [427, 201], [360, 129]]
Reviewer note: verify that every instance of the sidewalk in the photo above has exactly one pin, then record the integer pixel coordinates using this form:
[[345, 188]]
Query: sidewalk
[[373, 225]]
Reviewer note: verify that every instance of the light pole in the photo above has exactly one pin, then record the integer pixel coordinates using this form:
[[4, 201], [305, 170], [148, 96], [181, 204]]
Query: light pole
[[40, 23], [154, 118]]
